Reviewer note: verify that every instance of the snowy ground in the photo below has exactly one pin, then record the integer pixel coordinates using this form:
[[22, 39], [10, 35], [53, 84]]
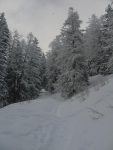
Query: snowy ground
[[85, 122]]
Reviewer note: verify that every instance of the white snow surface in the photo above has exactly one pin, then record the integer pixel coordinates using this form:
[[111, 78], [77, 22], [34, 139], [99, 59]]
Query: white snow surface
[[84, 122]]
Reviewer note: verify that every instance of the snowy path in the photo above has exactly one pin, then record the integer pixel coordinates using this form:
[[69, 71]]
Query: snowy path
[[49, 123]]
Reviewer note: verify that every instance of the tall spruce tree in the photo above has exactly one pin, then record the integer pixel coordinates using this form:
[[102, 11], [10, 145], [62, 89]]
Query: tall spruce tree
[[53, 68], [4, 44], [92, 44], [73, 78], [43, 71], [106, 50], [14, 70], [33, 67]]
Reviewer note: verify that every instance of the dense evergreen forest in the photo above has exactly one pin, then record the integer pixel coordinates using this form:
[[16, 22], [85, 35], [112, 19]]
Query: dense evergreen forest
[[74, 55]]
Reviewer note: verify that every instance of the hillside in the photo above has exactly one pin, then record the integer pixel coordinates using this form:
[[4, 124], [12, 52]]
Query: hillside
[[84, 122]]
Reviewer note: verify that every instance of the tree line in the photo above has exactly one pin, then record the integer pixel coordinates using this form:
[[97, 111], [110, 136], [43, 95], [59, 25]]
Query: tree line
[[74, 55], [22, 66]]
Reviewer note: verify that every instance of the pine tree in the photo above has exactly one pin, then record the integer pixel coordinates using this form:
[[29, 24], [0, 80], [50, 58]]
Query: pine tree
[[53, 68], [43, 71], [92, 44], [73, 78], [110, 66], [4, 44], [24, 78], [106, 51], [33, 67], [14, 70]]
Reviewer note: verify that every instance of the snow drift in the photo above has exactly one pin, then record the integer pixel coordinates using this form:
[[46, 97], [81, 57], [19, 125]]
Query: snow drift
[[84, 122]]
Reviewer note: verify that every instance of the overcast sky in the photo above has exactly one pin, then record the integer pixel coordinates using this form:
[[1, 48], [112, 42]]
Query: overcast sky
[[45, 17]]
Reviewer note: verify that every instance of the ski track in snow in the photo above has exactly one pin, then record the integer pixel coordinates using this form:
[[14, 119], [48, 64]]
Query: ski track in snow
[[50, 123]]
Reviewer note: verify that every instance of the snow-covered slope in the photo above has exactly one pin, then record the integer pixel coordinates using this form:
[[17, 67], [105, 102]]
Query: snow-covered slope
[[85, 122]]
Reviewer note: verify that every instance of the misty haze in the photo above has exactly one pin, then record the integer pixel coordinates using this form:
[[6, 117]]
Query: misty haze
[[56, 75]]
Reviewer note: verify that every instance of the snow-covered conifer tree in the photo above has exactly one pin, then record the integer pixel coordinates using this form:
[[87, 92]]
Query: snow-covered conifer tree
[[53, 68], [92, 44], [33, 67], [4, 44], [15, 65], [106, 51], [73, 78], [43, 71]]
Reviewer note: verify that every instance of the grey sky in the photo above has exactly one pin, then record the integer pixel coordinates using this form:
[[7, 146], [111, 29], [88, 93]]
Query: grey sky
[[45, 17]]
